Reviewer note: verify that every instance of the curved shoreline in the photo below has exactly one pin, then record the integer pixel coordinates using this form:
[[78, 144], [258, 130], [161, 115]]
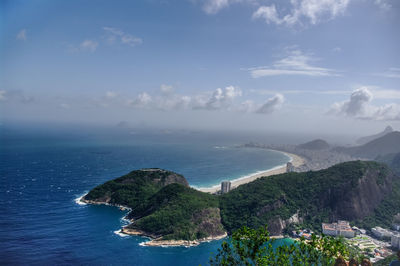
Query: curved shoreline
[[295, 159], [154, 241]]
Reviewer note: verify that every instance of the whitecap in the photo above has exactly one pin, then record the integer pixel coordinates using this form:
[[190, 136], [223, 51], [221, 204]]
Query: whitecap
[[78, 199], [119, 232]]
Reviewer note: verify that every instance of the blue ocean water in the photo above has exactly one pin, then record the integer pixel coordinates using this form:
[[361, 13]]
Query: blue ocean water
[[40, 223]]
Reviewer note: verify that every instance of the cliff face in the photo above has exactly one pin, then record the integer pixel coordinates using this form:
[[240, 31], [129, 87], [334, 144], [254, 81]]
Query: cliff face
[[350, 191], [353, 203]]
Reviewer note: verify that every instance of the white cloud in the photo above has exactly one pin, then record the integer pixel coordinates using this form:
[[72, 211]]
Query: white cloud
[[272, 104], [359, 106], [116, 35], [21, 36], [303, 11], [383, 4], [393, 72], [213, 6], [88, 45], [296, 63], [142, 100], [220, 99]]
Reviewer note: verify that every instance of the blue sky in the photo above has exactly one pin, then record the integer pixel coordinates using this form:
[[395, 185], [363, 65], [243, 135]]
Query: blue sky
[[292, 65]]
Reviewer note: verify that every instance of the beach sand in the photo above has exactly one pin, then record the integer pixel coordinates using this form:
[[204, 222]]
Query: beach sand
[[295, 160]]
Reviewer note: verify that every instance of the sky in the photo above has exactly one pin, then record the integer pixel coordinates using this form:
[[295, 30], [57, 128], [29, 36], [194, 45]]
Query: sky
[[326, 66]]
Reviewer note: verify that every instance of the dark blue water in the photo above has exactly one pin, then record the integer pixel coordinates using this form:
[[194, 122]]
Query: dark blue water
[[41, 224]]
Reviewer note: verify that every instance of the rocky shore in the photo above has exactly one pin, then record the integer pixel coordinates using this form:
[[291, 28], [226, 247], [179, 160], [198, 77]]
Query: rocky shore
[[156, 241]]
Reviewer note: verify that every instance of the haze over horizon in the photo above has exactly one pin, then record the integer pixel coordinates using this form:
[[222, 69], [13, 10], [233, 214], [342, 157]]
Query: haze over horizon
[[321, 67]]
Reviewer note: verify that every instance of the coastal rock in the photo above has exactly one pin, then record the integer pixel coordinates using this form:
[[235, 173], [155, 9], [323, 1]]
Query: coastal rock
[[186, 243]]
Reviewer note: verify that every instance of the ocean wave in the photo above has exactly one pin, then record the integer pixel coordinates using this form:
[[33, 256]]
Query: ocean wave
[[78, 199], [119, 233]]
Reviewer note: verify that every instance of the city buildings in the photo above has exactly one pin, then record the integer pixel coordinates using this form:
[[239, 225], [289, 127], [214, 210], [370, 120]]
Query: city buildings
[[380, 232], [289, 167], [341, 228], [395, 240]]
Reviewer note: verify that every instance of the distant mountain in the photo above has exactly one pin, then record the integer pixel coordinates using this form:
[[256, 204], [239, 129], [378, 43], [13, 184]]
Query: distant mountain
[[393, 160], [317, 144], [367, 139], [387, 144]]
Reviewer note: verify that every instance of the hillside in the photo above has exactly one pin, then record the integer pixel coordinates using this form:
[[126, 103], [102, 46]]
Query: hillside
[[364, 140], [350, 191], [163, 206], [178, 212], [392, 160], [317, 144], [166, 209], [389, 143], [131, 189]]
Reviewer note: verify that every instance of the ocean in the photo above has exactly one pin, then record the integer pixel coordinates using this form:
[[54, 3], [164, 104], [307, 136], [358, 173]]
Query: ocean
[[43, 174]]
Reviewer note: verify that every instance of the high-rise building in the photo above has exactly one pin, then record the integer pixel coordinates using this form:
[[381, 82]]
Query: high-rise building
[[225, 186], [289, 167], [395, 241]]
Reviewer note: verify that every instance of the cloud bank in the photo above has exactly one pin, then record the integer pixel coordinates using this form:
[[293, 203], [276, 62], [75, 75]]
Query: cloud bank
[[221, 99], [359, 106], [302, 12]]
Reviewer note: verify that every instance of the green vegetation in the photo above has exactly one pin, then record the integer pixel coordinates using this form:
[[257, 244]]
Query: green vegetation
[[392, 160], [317, 195], [163, 205], [254, 247], [172, 213], [386, 210], [131, 189], [386, 261]]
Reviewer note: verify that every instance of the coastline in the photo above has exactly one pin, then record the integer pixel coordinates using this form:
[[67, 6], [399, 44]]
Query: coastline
[[154, 240], [157, 241], [295, 159]]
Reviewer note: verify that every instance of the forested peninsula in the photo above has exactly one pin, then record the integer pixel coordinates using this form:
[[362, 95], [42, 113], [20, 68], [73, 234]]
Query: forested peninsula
[[164, 207]]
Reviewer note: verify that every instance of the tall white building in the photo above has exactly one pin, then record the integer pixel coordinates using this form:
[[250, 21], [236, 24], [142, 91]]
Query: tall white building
[[395, 241], [225, 186]]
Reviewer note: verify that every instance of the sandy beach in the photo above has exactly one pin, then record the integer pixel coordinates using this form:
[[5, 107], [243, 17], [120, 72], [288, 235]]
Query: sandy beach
[[294, 159]]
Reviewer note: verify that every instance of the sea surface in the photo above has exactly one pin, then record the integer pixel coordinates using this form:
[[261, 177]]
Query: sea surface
[[42, 175]]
